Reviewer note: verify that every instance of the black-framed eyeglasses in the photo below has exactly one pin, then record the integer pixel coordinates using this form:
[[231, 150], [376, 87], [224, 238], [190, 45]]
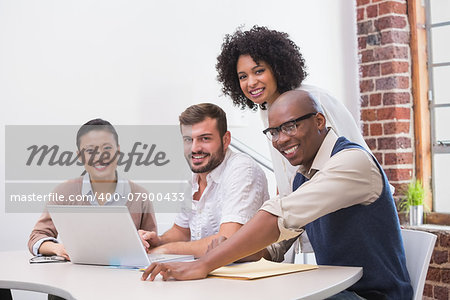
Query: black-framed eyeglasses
[[289, 128]]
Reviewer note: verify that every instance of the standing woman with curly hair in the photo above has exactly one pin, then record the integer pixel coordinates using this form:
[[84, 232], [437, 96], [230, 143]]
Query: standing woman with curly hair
[[258, 65]]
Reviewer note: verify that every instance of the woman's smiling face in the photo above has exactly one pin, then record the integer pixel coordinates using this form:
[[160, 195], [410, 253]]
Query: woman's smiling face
[[257, 80], [100, 151]]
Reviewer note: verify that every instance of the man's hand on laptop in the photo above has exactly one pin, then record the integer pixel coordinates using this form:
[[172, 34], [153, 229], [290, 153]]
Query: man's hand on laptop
[[52, 248], [150, 239]]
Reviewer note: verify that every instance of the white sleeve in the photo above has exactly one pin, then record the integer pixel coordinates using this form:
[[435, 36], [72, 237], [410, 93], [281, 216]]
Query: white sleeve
[[245, 187], [182, 218]]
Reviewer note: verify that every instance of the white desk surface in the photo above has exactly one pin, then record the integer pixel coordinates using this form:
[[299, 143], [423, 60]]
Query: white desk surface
[[73, 281]]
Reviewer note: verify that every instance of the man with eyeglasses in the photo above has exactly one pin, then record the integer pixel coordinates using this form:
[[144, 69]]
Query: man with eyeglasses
[[341, 198], [288, 128]]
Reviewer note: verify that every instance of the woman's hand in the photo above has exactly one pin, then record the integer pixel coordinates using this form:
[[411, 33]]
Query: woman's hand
[[52, 248]]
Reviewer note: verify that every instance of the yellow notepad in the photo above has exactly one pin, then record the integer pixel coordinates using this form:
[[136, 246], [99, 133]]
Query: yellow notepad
[[259, 269]]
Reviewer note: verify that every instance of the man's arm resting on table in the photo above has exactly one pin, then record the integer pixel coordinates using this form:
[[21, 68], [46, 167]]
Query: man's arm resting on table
[[198, 247], [254, 236]]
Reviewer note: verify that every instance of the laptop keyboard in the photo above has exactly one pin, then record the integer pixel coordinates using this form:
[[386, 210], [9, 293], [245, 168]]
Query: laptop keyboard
[[154, 257]]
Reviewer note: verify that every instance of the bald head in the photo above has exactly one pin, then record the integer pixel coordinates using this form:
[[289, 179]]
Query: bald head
[[299, 120], [298, 98]]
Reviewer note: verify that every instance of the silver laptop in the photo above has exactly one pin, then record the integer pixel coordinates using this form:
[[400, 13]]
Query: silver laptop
[[103, 235]]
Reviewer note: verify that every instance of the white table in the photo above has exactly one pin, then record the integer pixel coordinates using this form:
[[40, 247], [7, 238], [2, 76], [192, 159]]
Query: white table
[[74, 281]]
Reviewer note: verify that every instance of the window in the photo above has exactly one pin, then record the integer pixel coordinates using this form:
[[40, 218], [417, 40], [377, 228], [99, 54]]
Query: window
[[438, 44]]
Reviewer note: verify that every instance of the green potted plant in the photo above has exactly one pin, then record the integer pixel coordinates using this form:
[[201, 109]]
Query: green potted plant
[[413, 202]]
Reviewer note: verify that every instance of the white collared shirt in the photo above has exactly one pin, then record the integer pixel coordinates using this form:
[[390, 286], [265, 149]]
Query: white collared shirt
[[235, 191]]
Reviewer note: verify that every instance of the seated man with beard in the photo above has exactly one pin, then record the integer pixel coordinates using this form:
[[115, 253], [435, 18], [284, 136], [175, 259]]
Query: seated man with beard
[[228, 188]]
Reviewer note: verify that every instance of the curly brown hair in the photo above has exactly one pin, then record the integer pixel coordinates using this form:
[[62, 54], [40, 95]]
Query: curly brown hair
[[273, 47]]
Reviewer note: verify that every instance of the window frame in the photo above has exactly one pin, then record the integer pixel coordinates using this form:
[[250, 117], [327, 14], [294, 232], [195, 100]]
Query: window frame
[[419, 15], [420, 91]]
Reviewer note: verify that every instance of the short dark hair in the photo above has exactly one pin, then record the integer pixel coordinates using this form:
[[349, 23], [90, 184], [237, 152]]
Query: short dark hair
[[199, 112], [96, 124], [273, 47]]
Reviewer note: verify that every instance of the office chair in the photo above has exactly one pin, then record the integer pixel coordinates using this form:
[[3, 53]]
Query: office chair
[[418, 246]]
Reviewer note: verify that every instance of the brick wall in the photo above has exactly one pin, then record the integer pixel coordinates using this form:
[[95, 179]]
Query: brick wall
[[386, 111], [385, 85], [437, 284]]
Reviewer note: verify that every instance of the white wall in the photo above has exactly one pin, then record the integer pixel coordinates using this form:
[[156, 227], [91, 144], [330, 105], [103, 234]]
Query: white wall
[[143, 62]]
